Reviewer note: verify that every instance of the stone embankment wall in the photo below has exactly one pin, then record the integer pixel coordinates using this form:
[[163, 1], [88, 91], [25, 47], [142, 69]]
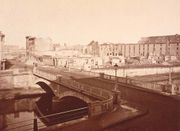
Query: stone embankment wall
[[10, 79]]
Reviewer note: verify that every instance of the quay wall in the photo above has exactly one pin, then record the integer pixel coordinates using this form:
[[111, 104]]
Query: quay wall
[[10, 79]]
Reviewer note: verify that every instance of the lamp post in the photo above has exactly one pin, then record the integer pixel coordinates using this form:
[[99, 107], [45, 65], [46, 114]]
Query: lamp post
[[172, 85], [116, 80], [115, 91], [170, 75]]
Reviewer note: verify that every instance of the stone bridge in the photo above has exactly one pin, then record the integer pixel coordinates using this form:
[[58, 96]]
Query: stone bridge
[[98, 100]]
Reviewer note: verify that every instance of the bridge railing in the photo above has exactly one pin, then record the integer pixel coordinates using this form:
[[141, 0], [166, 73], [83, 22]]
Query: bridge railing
[[106, 97], [90, 90], [100, 107], [45, 75], [87, 89], [97, 107], [90, 73], [153, 86], [147, 85]]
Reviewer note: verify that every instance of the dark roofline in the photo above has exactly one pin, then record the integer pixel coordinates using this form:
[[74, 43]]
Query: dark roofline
[[161, 36]]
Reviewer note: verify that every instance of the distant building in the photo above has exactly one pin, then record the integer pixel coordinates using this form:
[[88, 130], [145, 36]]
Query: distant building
[[167, 45], [2, 61], [11, 51], [156, 45], [56, 46], [160, 39], [80, 48], [34, 44], [110, 49], [93, 48]]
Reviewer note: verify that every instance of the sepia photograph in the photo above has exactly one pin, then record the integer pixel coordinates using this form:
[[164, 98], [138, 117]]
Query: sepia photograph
[[89, 65]]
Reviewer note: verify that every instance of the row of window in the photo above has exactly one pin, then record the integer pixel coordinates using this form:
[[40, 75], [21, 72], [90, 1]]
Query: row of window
[[114, 54], [115, 47], [141, 51]]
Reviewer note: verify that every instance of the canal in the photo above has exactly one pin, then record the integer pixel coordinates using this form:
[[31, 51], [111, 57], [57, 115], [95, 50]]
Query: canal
[[17, 115]]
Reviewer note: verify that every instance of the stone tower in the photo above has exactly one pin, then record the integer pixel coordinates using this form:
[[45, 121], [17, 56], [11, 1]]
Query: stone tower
[[2, 61]]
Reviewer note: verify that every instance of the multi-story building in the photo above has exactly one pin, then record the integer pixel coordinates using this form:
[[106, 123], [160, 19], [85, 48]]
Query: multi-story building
[[157, 45], [120, 49], [160, 39], [2, 61], [109, 49], [168, 45], [93, 48]]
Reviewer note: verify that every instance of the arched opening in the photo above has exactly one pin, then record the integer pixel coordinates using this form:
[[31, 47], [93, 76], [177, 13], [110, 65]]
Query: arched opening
[[70, 103], [46, 88], [44, 105], [68, 107], [76, 95], [71, 108]]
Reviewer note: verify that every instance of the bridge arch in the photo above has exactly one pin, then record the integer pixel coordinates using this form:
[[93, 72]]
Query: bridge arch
[[76, 95], [46, 87], [72, 102]]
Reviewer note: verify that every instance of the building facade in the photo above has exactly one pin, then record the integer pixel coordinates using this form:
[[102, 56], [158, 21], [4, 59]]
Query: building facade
[[157, 45], [168, 44], [2, 61], [93, 48]]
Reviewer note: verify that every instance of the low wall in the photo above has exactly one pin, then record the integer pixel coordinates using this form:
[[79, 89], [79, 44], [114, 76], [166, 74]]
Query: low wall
[[138, 71]]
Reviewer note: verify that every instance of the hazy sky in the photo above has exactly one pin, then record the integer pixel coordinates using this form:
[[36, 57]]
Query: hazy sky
[[80, 21]]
